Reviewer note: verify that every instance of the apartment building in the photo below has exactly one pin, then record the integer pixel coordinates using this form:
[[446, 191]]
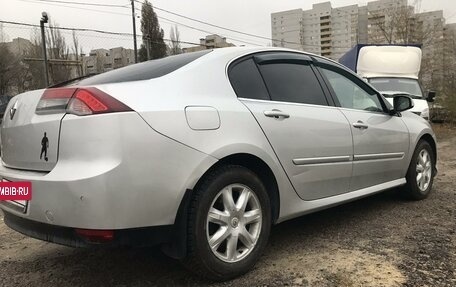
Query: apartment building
[[18, 46], [321, 30], [209, 42], [103, 60], [331, 32]]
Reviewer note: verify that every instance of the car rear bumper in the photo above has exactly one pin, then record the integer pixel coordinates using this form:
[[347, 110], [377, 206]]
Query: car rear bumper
[[114, 172], [67, 236]]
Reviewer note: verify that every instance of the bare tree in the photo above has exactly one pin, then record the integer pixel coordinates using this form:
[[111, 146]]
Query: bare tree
[[400, 24], [34, 75], [393, 25], [57, 50], [449, 84], [8, 70], [3, 36], [174, 47], [10, 67], [76, 52]]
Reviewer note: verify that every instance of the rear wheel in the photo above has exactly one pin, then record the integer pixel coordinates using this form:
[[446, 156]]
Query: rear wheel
[[229, 223], [420, 174]]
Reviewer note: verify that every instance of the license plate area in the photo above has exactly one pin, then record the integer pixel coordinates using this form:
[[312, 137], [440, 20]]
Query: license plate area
[[17, 205]]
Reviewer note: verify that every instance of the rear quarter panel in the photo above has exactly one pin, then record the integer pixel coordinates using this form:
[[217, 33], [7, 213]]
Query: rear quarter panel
[[162, 102]]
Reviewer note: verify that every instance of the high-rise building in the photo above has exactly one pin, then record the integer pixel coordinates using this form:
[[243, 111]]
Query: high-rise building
[[321, 30], [331, 32]]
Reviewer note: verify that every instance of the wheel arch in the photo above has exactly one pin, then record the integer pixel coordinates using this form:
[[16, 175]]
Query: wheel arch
[[177, 247], [260, 168], [430, 139]]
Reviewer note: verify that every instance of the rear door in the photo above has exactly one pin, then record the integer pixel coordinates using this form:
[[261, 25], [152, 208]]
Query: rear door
[[380, 140], [311, 138], [29, 140]]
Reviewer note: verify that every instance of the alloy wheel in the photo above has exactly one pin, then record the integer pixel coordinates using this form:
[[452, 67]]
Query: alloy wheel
[[423, 170], [233, 223]]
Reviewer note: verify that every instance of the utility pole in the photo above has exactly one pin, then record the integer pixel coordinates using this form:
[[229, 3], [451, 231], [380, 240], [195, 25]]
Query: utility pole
[[44, 19], [148, 47], [134, 29]]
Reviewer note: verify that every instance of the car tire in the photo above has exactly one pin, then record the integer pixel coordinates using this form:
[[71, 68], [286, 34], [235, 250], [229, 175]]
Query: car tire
[[233, 251], [420, 174]]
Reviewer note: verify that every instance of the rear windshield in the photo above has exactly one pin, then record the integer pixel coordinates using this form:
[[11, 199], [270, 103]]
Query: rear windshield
[[144, 71]]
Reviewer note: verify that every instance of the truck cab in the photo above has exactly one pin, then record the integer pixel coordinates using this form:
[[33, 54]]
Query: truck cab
[[392, 70]]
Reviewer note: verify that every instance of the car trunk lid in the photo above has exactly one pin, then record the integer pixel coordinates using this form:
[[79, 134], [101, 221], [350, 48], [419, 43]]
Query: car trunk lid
[[29, 140]]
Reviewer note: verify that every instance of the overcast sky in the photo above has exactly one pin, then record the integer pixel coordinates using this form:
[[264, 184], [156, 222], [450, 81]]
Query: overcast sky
[[250, 16]]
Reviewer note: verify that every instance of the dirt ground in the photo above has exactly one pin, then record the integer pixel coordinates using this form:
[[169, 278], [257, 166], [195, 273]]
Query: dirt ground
[[378, 241]]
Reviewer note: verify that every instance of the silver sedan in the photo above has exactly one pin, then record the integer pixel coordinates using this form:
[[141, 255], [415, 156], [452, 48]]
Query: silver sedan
[[204, 152]]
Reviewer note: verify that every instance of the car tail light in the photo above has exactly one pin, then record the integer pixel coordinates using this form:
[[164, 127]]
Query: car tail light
[[54, 100], [96, 236], [79, 101]]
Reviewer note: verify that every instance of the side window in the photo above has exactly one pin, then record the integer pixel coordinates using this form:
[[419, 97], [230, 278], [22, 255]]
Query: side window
[[292, 82], [350, 94], [246, 81]]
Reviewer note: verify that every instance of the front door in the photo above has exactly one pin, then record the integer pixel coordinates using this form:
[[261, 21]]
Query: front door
[[380, 140]]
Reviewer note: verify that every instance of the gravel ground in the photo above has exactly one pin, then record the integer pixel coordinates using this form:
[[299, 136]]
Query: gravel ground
[[377, 241]]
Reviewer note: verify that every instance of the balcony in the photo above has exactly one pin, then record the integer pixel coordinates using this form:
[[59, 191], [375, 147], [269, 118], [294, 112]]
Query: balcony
[[326, 44], [326, 54], [324, 34], [325, 19]]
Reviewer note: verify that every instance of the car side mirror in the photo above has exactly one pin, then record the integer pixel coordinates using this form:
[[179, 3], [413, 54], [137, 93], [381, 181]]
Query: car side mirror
[[430, 96], [402, 103]]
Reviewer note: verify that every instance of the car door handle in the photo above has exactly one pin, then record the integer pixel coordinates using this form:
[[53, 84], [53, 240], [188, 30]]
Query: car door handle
[[276, 114], [360, 125]]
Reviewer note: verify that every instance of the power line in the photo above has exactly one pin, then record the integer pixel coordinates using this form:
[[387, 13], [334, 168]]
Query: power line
[[205, 31], [92, 30], [84, 3], [219, 27], [161, 9], [181, 24], [80, 8], [56, 3], [227, 29], [207, 23]]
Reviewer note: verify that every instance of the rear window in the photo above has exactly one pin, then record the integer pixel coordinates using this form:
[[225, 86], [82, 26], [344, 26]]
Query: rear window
[[247, 81], [294, 83], [144, 71]]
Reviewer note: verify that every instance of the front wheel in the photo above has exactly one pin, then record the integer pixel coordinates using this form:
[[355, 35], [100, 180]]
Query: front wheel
[[229, 223], [420, 174]]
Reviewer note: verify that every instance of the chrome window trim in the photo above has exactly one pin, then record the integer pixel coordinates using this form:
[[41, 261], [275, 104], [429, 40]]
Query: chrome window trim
[[286, 103], [364, 111]]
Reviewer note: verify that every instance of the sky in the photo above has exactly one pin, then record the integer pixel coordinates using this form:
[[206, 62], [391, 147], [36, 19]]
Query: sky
[[250, 16]]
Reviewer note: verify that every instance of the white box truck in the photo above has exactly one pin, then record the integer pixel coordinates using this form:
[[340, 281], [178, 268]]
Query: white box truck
[[392, 70]]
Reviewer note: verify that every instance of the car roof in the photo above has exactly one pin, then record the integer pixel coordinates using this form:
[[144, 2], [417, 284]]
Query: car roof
[[237, 52]]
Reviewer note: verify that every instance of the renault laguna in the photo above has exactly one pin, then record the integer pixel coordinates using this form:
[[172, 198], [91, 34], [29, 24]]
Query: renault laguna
[[203, 152]]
